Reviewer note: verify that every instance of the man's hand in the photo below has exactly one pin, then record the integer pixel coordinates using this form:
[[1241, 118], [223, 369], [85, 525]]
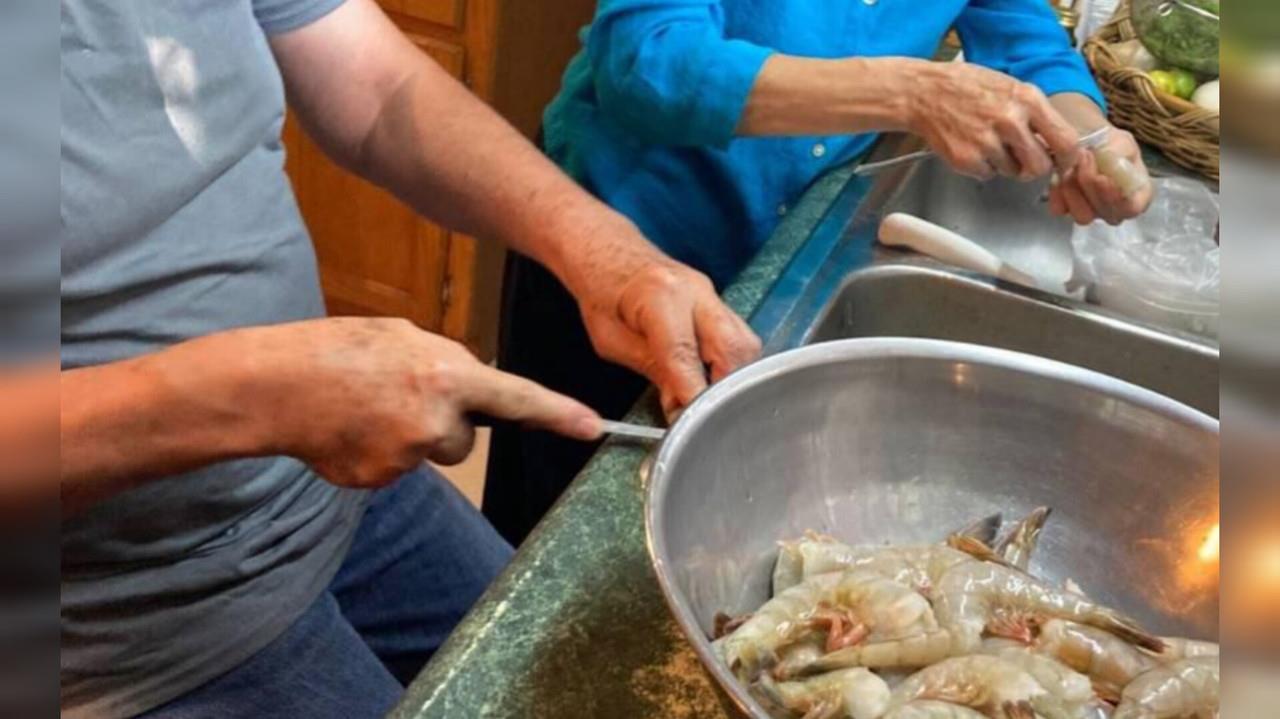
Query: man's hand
[[652, 314], [360, 400], [365, 400]]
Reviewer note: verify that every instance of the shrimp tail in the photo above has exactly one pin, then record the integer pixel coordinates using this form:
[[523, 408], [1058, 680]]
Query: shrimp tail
[[1018, 710], [1018, 545], [978, 549], [983, 530], [724, 624], [1128, 630]]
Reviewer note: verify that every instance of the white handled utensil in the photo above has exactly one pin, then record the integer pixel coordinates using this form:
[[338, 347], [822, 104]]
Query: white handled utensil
[[902, 230]]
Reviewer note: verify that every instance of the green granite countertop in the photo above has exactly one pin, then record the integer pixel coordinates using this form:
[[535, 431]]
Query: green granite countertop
[[576, 626]]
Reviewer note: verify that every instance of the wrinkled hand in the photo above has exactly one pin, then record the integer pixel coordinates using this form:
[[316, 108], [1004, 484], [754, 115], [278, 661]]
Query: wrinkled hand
[[657, 316], [1086, 194], [984, 123], [365, 400]]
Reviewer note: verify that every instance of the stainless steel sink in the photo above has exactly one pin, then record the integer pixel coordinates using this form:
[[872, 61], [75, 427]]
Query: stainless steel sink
[[905, 300], [841, 284]]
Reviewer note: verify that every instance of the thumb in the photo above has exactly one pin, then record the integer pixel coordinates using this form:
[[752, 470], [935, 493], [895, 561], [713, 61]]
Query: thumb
[[506, 396]]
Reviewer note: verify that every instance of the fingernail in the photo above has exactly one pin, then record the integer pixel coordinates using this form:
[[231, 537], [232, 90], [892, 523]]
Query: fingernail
[[589, 428]]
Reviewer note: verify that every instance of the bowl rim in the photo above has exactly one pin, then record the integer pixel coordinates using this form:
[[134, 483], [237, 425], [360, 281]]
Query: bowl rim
[[657, 480]]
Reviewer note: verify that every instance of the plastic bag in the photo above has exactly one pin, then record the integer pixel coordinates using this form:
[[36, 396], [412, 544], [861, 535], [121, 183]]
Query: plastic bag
[[1161, 267]]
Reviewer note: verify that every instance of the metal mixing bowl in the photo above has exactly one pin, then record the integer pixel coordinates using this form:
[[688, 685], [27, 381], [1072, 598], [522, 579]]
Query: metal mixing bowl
[[905, 440]]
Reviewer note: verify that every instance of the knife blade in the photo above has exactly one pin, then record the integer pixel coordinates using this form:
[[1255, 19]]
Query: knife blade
[[1088, 141]]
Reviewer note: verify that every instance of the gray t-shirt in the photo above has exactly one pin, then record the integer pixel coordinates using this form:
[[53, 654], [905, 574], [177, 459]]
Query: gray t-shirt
[[178, 221]]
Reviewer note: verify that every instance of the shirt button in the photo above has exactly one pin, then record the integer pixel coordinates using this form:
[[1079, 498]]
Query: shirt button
[[782, 209], [819, 150]]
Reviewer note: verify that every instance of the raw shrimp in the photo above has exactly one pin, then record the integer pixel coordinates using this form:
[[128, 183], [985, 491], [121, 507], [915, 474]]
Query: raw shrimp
[[930, 709], [850, 606], [1109, 661], [1179, 648], [979, 596], [795, 657], [1185, 689], [1072, 688], [975, 597], [918, 566], [788, 570], [780, 621], [988, 684], [1017, 546], [849, 693]]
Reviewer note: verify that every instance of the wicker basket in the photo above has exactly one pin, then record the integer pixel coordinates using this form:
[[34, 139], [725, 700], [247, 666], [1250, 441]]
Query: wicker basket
[[1184, 132]]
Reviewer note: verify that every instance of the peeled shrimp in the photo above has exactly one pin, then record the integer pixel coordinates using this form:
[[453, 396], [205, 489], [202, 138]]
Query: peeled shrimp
[[930, 709], [849, 693], [1185, 689], [851, 606], [1109, 661], [990, 685], [919, 567]]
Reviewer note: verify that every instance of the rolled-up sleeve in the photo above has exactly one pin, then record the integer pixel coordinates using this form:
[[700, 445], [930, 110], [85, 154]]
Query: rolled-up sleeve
[[664, 70], [1023, 38], [279, 16]]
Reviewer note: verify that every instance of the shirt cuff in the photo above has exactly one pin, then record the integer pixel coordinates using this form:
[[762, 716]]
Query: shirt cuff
[[280, 16], [718, 104]]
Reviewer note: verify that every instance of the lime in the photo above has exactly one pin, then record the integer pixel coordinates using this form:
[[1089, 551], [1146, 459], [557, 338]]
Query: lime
[[1184, 83], [1164, 81]]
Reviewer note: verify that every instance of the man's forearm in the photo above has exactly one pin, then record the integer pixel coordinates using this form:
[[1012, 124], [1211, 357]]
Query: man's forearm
[[126, 423], [452, 158], [383, 108]]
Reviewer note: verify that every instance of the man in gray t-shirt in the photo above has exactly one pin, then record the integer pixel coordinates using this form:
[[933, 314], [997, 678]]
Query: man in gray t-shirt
[[219, 436]]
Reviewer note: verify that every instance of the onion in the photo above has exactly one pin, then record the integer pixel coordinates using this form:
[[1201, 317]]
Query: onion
[[1206, 96]]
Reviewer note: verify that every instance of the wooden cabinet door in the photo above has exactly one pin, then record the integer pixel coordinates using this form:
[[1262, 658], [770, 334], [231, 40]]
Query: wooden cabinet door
[[376, 256]]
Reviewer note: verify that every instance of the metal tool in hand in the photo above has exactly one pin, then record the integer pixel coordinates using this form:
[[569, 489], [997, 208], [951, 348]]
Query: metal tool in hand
[[638, 432], [633, 431], [1119, 169], [1087, 141]]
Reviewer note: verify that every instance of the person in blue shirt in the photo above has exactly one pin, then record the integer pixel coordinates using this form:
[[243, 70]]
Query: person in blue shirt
[[705, 120]]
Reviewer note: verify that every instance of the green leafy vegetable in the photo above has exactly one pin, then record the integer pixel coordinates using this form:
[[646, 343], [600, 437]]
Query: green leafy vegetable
[[1178, 35]]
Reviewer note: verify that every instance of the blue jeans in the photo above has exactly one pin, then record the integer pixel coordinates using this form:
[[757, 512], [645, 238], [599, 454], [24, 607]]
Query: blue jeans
[[420, 558]]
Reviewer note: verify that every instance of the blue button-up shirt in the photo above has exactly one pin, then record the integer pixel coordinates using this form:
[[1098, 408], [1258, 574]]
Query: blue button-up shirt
[[647, 114]]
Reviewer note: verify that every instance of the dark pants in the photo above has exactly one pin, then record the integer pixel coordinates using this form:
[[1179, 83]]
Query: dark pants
[[543, 338]]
